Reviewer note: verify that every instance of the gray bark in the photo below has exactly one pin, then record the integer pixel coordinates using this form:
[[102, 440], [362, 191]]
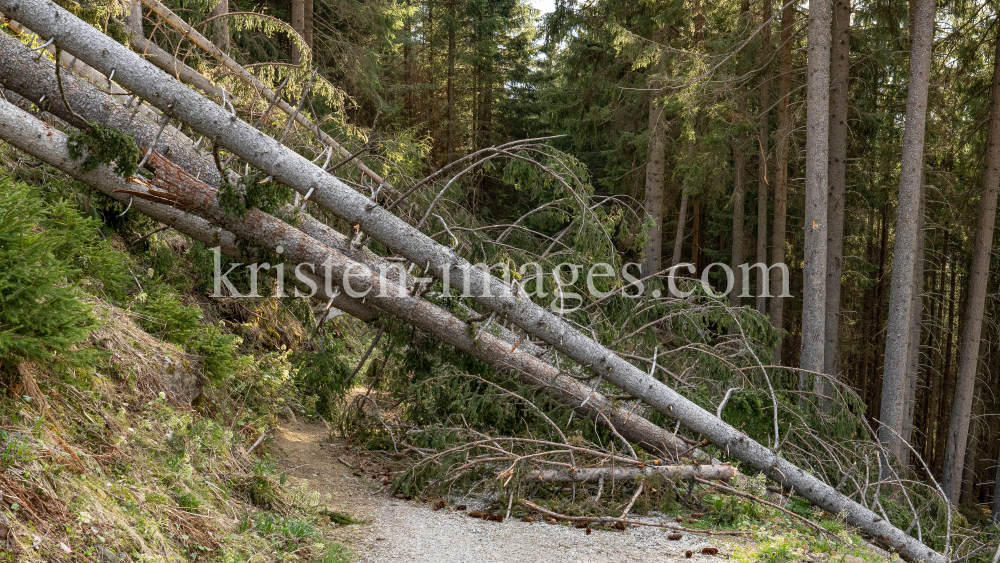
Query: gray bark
[[681, 219], [905, 246], [300, 118], [839, 72], [656, 160], [781, 189], [220, 25], [168, 63], [133, 20], [968, 361], [297, 172], [817, 184], [35, 137], [739, 202], [23, 73], [913, 352], [583, 475], [299, 25], [764, 142]]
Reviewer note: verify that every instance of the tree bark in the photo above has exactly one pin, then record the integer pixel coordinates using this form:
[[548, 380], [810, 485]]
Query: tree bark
[[40, 140], [781, 189], [295, 171], [583, 475], [839, 73], [739, 178], [968, 360], [220, 25], [948, 385], [971, 456], [681, 219], [307, 31], [904, 248], [452, 23], [739, 203], [913, 352], [817, 186], [298, 9], [133, 21], [763, 140], [696, 235], [175, 67], [300, 118], [655, 164]]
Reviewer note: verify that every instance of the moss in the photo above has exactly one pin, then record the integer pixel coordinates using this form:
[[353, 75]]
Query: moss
[[104, 145]]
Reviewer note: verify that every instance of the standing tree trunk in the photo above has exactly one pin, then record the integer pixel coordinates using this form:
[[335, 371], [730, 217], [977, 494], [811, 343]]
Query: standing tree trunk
[[971, 455], [901, 314], [696, 236], [913, 353], [781, 191], [839, 72], [968, 359], [948, 386], [299, 25], [739, 178], [207, 118], [452, 22], [817, 186], [995, 513], [307, 32], [133, 21], [220, 25], [739, 202], [656, 162], [681, 219], [763, 138]]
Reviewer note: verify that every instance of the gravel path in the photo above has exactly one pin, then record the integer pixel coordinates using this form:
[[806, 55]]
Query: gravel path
[[402, 531]]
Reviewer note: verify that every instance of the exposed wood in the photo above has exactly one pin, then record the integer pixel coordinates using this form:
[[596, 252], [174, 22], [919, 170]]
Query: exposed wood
[[192, 198], [297, 172], [585, 474]]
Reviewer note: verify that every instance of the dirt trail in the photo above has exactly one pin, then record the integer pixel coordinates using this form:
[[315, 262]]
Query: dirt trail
[[402, 531]]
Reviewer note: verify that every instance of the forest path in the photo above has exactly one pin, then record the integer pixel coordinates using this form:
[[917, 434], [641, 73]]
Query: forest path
[[397, 531]]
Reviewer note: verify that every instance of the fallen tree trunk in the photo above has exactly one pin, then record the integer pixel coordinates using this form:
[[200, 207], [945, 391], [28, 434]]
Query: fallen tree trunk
[[286, 166], [176, 68], [226, 61], [720, 472], [42, 141], [31, 135]]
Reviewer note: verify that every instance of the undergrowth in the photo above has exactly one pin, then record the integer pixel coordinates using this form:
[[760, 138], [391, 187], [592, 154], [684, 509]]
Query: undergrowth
[[101, 458]]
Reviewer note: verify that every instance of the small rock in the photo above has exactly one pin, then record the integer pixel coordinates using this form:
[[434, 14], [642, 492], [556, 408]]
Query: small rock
[[107, 556]]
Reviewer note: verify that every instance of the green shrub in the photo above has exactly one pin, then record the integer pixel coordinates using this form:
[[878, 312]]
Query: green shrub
[[162, 313], [41, 313]]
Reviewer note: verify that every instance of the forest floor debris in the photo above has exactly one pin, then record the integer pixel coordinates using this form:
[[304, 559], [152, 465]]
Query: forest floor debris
[[397, 530]]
